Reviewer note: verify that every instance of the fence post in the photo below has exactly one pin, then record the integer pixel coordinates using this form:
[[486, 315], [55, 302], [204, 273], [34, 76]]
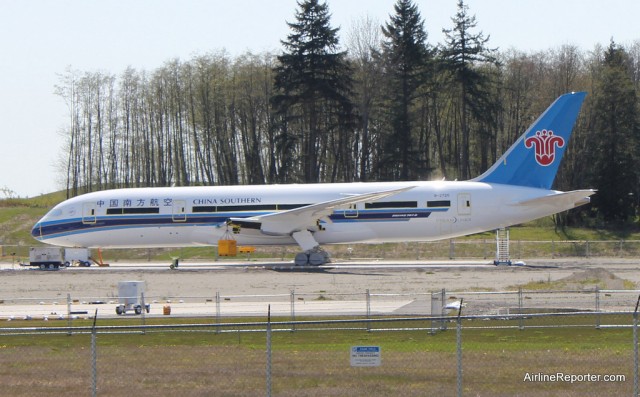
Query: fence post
[[217, 310], [459, 351], [620, 248], [293, 309], [69, 314], [269, 352], [597, 307], [143, 308], [635, 349], [587, 249], [520, 308], [368, 296], [94, 357]]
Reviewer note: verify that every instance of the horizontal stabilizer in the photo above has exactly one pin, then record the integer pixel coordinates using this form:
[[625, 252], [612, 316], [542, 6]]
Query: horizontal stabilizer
[[563, 199]]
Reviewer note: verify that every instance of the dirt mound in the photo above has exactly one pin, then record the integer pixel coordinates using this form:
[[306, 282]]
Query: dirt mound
[[590, 278]]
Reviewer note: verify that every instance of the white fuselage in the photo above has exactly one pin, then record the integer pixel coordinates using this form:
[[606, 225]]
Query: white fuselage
[[514, 190], [196, 216]]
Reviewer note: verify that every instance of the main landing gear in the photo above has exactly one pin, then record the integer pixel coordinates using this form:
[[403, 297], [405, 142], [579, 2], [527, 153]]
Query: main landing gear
[[312, 254], [314, 257]]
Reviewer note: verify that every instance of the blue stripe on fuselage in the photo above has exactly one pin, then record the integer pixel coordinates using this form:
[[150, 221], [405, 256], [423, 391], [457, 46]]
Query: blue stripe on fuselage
[[68, 227], [380, 215]]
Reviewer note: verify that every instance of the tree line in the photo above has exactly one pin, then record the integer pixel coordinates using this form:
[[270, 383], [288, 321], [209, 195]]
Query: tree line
[[382, 104]]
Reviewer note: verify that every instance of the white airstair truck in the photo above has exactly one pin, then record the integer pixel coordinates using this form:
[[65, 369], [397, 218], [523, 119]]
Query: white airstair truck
[[130, 297]]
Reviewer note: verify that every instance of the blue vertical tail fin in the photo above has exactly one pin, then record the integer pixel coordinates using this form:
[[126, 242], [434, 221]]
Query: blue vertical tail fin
[[533, 160]]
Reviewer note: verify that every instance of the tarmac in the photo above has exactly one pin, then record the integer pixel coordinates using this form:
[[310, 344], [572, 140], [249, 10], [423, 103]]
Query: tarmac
[[251, 288]]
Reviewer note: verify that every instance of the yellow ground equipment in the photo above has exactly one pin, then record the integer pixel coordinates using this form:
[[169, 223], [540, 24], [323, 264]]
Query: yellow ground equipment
[[227, 247], [246, 249]]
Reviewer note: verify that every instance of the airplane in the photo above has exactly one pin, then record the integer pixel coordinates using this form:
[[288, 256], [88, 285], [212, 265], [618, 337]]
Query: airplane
[[516, 189]]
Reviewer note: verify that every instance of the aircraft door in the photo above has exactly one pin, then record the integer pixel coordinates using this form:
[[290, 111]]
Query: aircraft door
[[179, 213], [89, 213], [464, 204]]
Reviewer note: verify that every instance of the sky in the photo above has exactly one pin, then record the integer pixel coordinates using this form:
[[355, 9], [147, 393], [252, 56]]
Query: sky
[[40, 39]]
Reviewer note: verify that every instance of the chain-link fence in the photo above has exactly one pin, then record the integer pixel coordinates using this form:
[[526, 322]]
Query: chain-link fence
[[520, 354], [366, 303], [445, 249]]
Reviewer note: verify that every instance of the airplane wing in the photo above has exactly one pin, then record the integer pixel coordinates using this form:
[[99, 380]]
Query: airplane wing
[[287, 222], [575, 197]]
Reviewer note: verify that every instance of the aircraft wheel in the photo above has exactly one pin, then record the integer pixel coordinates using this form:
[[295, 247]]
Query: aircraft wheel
[[138, 309], [317, 259], [302, 259], [119, 310]]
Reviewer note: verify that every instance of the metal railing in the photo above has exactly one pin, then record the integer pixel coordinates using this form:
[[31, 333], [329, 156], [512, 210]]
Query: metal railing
[[445, 249], [483, 355], [367, 304]]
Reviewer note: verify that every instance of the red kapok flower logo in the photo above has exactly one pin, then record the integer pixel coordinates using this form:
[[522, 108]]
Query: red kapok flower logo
[[545, 146]]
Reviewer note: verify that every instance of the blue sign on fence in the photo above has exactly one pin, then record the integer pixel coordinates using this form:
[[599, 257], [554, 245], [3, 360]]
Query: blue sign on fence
[[365, 356]]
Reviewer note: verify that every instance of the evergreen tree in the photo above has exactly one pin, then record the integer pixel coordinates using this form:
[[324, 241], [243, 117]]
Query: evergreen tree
[[312, 85], [614, 144], [406, 57], [463, 54]]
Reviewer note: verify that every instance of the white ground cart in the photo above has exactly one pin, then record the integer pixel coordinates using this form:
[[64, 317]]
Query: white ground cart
[[130, 297]]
